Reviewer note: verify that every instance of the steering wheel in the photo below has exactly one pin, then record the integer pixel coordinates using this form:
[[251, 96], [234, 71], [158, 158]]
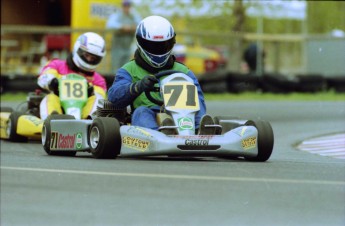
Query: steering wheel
[[159, 76]]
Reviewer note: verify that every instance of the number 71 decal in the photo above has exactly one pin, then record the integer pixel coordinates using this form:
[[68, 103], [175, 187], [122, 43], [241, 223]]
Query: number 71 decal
[[180, 95]]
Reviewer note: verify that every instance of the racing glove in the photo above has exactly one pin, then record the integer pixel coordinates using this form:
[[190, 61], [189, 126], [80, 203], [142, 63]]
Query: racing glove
[[54, 86], [145, 84]]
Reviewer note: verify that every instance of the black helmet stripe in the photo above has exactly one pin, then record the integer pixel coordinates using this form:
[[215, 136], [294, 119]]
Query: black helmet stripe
[[141, 31], [171, 32]]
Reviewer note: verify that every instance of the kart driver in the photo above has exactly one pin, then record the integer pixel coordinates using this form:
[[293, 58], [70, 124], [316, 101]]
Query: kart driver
[[87, 54], [155, 38]]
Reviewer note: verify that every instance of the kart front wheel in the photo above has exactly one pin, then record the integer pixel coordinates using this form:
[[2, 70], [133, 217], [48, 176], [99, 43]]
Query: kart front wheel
[[12, 125], [265, 140], [104, 138], [46, 135]]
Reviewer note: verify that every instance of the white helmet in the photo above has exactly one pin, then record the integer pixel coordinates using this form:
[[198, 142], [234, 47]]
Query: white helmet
[[155, 40], [88, 44]]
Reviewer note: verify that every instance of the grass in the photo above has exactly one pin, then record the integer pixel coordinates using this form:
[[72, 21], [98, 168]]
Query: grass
[[246, 96], [20, 96]]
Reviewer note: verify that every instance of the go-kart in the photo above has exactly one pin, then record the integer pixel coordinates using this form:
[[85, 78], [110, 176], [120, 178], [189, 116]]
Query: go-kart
[[24, 123], [109, 134]]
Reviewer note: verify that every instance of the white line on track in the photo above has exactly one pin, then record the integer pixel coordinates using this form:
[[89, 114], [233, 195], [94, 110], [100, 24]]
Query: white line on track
[[172, 176], [330, 145]]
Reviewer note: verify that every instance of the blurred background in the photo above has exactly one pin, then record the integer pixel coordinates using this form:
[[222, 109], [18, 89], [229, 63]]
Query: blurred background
[[297, 45]]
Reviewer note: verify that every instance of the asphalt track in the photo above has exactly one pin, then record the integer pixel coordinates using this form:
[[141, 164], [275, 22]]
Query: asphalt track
[[293, 187]]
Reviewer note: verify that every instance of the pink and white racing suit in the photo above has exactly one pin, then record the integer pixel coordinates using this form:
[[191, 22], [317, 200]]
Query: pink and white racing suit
[[57, 68]]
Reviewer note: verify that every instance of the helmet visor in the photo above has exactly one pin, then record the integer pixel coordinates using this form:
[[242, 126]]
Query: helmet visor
[[157, 48], [89, 58]]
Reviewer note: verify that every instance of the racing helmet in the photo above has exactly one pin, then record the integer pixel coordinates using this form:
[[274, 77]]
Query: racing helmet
[[155, 39], [88, 51]]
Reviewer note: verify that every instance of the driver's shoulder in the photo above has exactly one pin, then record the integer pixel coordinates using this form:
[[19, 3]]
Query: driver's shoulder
[[57, 63], [133, 69], [180, 67]]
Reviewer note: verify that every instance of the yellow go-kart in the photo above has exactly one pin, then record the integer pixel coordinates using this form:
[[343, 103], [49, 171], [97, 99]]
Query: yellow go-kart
[[25, 124]]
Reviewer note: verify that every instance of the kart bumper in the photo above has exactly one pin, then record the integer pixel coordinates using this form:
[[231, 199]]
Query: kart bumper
[[30, 126], [241, 141]]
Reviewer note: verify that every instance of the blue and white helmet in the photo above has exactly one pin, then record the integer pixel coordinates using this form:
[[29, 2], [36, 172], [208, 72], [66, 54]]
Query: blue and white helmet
[[88, 44], [155, 40]]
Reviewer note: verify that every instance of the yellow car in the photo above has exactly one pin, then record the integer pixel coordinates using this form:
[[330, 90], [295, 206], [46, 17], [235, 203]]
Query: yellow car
[[199, 59]]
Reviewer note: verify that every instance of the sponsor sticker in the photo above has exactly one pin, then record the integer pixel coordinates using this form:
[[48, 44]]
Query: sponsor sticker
[[139, 131], [194, 142], [242, 131], [158, 37], [34, 120], [135, 143], [79, 141], [185, 123], [249, 143], [61, 141]]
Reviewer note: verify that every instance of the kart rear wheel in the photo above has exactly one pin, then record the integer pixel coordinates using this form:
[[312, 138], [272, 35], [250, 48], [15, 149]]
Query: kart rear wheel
[[12, 125], [265, 140], [104, 138], [46, 135], [226, 126]]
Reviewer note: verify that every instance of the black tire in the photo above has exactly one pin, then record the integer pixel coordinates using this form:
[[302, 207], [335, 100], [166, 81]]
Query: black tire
[[238, 83], [214, 82], [46, 135], [278, 83], [265, 140], [337, 83], [226, 126], [12, 125], [311, 83], [104, 138], [3, 81]]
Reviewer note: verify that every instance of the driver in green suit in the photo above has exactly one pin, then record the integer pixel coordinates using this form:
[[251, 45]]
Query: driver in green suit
[[155, 39]]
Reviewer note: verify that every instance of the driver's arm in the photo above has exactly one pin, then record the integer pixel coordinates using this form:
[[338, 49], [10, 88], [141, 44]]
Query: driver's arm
[[124, 91], [48, 73], [119, 92]]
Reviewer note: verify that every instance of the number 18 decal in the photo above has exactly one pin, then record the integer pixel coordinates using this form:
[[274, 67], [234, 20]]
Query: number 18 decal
[[73, 89], [181, 95]]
